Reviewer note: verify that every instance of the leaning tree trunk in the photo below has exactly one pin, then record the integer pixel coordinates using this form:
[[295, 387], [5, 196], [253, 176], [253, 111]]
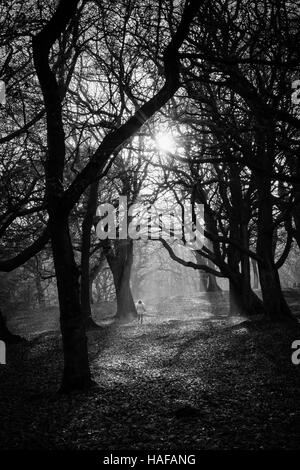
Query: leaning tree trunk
[[120, 264], [76, 375]]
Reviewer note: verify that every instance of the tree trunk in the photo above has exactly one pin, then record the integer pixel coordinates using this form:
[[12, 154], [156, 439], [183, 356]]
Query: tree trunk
[[296, 217], [273, 299], [120, 264], [236, 304], [234, 300], [39, 288], [76, 375], [203, 277], [249, 298], [242, 299], [91, 291], [208, 282], [212, 285], [255, 274], [85, 284]]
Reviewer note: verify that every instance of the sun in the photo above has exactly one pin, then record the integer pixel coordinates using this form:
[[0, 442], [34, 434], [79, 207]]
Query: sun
[[165, 142]]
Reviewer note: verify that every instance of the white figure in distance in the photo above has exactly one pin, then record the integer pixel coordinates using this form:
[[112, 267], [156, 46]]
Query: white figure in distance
[[141, 310]]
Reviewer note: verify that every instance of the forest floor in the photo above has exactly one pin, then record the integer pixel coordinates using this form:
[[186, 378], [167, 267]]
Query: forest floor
[[213, 382]]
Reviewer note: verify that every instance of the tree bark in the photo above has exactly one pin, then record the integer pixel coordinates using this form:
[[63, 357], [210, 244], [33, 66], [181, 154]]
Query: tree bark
[[38, 283], [208, 282], [249, 297], [85, 282], [120, 264], [243, 301], [212, 284], [76, 375], [273, 299], [40, 291], [233, 255], [255, 274]]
